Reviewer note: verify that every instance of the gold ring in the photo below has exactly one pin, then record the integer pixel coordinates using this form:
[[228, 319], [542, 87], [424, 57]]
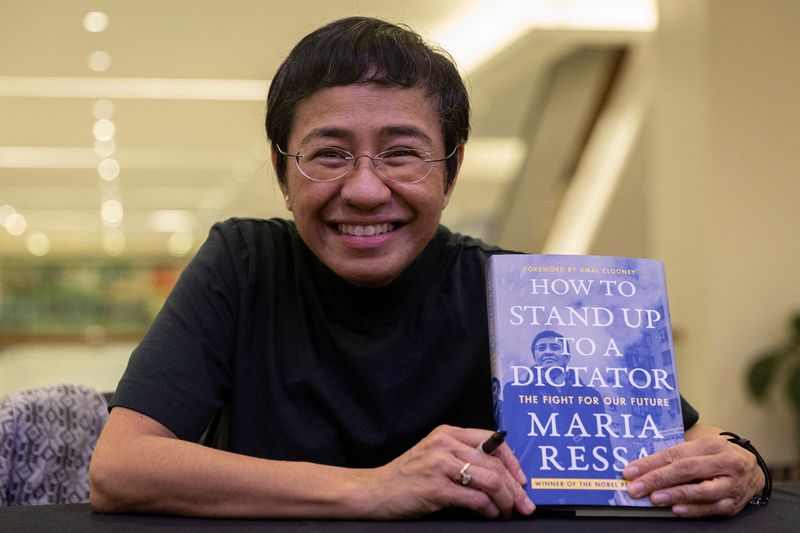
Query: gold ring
[[463, 476]]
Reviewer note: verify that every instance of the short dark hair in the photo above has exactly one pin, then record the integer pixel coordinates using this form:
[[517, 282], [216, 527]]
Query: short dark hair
[[546, 334], [367, 50]]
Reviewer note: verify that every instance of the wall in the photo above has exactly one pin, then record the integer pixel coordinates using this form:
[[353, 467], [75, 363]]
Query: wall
[[725, 214], [35, 365]]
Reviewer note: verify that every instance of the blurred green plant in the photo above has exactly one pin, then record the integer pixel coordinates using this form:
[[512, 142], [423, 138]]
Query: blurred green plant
[[64, 297], [779, 367]]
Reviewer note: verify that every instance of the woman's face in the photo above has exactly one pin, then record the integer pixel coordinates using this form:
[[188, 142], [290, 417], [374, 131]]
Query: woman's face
[[364, 227]]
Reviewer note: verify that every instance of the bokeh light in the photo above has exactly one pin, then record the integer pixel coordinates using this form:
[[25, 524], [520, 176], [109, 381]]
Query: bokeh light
[[95, 21], [104, 130], [37, 243], [108, 169], [99, 61]]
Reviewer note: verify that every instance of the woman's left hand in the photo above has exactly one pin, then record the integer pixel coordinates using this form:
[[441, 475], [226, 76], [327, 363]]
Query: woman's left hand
[[704, 476]]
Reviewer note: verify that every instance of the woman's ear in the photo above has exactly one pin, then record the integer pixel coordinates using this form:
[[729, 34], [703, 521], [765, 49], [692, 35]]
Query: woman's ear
[[459, 156], [284, 189], [273, 152]]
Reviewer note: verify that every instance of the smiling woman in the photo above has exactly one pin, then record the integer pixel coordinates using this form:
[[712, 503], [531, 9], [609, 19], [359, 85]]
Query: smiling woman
[[304, 354]]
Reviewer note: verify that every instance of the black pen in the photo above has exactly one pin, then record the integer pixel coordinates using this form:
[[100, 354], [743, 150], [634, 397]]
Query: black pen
[[492, 443]]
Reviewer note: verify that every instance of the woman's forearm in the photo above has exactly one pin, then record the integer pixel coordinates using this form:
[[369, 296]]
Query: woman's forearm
[[138, 466]]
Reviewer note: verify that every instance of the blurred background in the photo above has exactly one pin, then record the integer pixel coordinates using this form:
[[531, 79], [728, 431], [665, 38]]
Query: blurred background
[[663, 129]]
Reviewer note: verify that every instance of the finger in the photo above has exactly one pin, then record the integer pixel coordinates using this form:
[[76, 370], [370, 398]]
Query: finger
[[506, 494], [475, 500], [517, 481], [491, 483], [522, 501], [667, 456], [511, 463], [707, 492], [490, 475], [473, 487], [682, 472], [724, 507]]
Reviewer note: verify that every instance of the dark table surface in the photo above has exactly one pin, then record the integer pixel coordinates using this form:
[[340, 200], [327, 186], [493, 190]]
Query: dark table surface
[[781, 515]]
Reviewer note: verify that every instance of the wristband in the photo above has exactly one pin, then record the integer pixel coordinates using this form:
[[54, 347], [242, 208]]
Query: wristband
[[763, 498]]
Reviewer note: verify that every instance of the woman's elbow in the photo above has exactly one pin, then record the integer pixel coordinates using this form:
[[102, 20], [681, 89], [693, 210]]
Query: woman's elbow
[[105, 495]]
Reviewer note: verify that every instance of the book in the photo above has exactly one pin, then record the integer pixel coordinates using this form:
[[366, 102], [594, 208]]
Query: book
[[583, 372]]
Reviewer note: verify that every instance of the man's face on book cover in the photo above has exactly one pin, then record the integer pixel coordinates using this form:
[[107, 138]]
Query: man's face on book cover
[[550, 351]]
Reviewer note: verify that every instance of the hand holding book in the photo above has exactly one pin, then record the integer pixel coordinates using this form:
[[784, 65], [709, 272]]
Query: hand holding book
[[728, 473]]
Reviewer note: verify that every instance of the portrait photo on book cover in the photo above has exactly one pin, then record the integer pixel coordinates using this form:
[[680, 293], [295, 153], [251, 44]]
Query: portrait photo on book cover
[[584, 373]]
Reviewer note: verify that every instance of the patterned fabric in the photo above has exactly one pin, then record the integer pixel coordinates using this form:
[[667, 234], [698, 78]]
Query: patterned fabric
[[47, 436]]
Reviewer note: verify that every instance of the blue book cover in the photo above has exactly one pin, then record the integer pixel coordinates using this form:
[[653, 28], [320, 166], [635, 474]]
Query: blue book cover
[[583, 371]]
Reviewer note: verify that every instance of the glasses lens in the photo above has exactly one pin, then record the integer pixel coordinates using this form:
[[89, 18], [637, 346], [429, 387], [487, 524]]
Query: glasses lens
[[324, 163], [404, 166]]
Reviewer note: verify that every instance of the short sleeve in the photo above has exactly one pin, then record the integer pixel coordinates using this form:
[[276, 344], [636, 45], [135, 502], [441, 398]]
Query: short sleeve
[[180, 373], [690, 414]]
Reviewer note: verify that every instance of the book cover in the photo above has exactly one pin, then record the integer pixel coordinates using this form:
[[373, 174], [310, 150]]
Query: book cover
[[583, 371]]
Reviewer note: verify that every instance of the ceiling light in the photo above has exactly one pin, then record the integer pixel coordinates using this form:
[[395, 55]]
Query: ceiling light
[[5, 212], [38, 243], [108, 169], [99, 61], [104, 130], [15, 224], [481, 31], [95, 21], [171, 220], [146, 88], [111, 212]]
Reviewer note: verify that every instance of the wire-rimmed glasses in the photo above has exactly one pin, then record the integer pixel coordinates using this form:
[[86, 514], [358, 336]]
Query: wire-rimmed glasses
[[401, 165]]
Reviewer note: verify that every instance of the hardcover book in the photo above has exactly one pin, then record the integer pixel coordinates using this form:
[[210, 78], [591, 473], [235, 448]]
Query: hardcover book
[[583, 371]]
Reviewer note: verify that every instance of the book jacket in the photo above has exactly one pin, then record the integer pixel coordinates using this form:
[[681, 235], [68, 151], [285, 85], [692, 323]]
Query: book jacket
[[583, 371]]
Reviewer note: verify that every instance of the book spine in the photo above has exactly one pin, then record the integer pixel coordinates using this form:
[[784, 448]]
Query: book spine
[[493, 359]]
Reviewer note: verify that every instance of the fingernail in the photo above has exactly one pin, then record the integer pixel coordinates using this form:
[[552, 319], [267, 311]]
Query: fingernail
[[659, 498], [630, 472], [523, 480], [636, 489], [528, 506], [680, 509]]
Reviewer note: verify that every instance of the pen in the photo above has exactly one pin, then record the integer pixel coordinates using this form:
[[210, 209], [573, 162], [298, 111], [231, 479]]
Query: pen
[[491, 444]]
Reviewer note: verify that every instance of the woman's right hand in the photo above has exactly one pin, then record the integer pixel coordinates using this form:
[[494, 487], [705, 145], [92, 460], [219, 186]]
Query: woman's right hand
[[427, 478]]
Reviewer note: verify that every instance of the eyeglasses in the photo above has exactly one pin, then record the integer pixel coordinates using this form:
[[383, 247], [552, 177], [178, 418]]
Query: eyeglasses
[[401, 165]]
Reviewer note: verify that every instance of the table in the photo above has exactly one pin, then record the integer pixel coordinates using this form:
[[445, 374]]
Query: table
[[782, 515]]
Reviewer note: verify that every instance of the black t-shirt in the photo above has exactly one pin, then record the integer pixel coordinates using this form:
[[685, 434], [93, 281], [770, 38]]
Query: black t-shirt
[[285, 360]]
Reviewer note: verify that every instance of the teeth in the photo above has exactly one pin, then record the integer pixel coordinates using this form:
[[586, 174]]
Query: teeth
[[369, 231]]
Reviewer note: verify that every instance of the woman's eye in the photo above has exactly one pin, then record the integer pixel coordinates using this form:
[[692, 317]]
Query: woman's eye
[[400, 153], [328, 153]]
